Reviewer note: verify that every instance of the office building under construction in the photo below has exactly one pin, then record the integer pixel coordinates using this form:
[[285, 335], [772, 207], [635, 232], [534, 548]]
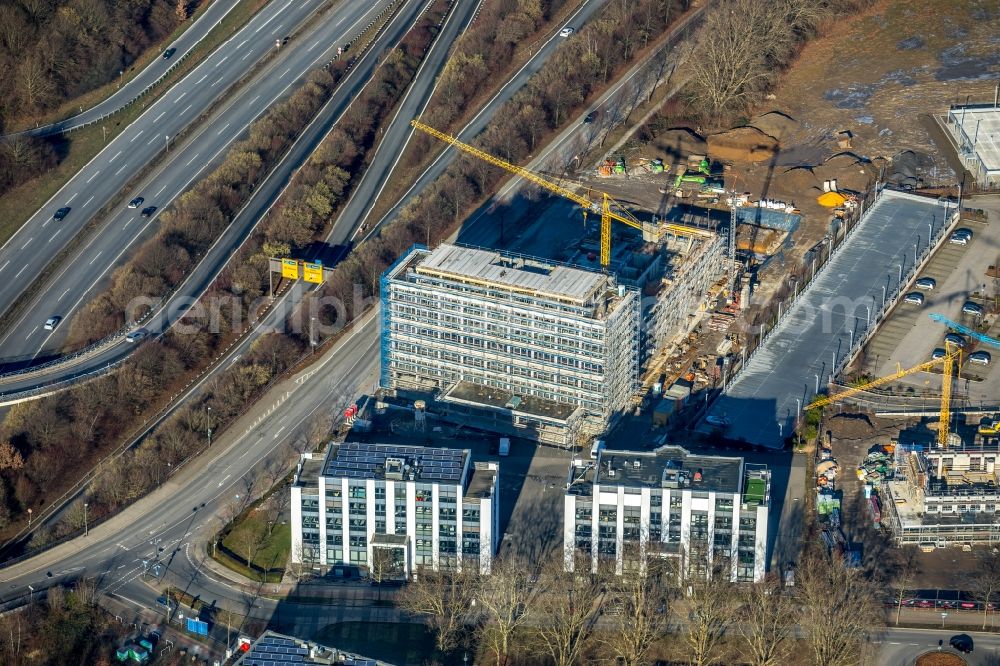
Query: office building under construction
[[509, 343]]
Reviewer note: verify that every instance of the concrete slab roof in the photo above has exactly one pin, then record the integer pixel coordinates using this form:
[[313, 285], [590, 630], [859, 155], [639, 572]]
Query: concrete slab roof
[[981, 128], [816, 333]]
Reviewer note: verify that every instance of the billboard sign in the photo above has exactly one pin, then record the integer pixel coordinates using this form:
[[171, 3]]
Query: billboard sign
[[198, 627], [290, 269], [312, 272]]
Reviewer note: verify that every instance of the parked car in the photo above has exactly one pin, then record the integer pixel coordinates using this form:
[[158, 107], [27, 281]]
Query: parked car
[[914, 298], [61, 213], [925, 283], [956, 339], [973, 309], [958, 238], [938, 353], [962, 642], [52, 322], [980, 358], [135, 203]]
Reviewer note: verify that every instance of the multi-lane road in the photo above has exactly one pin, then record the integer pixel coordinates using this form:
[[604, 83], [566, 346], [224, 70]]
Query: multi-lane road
[[161, 127]]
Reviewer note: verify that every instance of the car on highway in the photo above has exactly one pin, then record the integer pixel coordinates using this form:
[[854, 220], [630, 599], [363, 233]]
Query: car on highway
[[566, 32], [956, 339], [52, 322], [591, 117], [962, 642], [137, 335], [61, 213], [938, 353], [169, 52], [914, 298], [980, 358], [973, 309], [925, 283], [148, 211], [135, 203]]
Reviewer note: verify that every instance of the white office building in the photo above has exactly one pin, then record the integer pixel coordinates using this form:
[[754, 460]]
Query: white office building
[[422, 506], [704, 510]]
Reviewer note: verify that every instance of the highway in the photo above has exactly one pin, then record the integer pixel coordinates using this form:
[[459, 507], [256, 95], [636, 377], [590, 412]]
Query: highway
[[203, 24], [76, 280]]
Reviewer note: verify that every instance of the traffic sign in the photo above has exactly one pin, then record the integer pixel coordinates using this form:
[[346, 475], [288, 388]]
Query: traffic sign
[[312, 272], [290, 269]]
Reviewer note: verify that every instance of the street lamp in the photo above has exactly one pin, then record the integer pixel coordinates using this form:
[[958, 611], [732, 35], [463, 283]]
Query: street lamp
[[121, 77], [817, 382], [166, 139], [312, 333], [29, 517], [901, 272], [86, 528], [209, 425], [883, 297], [868, 309]]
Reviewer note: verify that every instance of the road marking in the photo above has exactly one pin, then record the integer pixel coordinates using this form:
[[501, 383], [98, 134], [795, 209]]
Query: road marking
[[95, 257], [125, 226], [241, 44], [278, 432], [63, 294], [192, 159], [255, 99], [224, 480], [51, 239], [137, 135], [70, 200], [32, 330], [21, 271], [160, 116], [28, 242], [161, 191], [88, 201], [93, 177], [249, 53], [46, 223], [315, 44], [223, 128], [4, 265], [286, 72], [150, 142], [186, 109], [202, 79], [121, 169], [218, 82], [276, 30], [180, 97], [115, 157], [222, 61], [339, 22]]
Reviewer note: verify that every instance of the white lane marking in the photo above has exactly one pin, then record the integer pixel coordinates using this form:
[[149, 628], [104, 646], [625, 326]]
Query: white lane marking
[[99, 252], [160, 116], [150, 142], [46, 222], [222, 61], [88, 201], [70, 200], [286, 72], [218, 82], [278, 432], [161, 190], [127, 223], [186, 109], [201, 79], [4, 265], [122, 169], [249, 53], [137, 135], [276, 30], [315, 44], [223, 128], [53, 237], [339, 22], [27, 242], [192, 159], [63, 294], [224, 480], [32, 330], [93, 177], [18, 275], [242, 43], [255, 99], [115, 157], [180, 97]]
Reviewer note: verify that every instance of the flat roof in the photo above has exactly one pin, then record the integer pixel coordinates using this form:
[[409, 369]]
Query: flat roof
[[981, 128], [532, 276], [489, 396], [761, 405], [274, 649], [363, 460]]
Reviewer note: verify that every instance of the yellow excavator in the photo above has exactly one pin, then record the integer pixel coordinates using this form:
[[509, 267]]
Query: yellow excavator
[[990, 425], [952, 356]]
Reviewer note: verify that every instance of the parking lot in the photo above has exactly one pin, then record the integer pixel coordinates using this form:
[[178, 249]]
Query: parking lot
[[909, 336]]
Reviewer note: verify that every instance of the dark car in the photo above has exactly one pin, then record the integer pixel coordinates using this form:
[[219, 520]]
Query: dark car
[[168, 53], [591, 117], [962, 643], [148, 211], [61, 213]]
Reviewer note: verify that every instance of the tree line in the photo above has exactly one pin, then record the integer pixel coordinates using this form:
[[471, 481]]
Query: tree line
[[527, 612]]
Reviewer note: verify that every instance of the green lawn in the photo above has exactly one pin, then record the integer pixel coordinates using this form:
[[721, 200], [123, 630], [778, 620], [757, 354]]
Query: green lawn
[[272, 553]]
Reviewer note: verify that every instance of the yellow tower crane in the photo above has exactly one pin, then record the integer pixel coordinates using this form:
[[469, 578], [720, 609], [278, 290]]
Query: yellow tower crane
[[947, 362], [608, 208]]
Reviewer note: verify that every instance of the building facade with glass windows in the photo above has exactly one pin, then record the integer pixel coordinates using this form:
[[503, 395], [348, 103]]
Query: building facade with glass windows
[[706, 511], [393, 509]]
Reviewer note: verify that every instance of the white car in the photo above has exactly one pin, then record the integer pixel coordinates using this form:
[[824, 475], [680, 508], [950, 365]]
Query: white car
[[973, 309], [925, 283], [980, 358], [51, 323], [136, 335], [913, 298], [959, 238], [566, 32]]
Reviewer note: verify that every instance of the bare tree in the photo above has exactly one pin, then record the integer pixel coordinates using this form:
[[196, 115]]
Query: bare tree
[[839, 609], [506, 597], [445, 599], [986, 579], [907, 567], [385, 564], [567, 612], [638, 607], [711, 606], [766, 620]]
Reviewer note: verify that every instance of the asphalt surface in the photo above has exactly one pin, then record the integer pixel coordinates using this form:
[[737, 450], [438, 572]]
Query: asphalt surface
[[901, 647], [151, 73], [827, 320], [75, 282]]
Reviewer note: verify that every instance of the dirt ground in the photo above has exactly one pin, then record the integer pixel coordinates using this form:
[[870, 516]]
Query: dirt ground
[[940, 659]]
